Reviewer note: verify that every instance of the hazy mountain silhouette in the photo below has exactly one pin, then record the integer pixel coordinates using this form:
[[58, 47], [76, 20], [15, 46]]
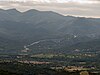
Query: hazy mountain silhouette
[[33, 25]]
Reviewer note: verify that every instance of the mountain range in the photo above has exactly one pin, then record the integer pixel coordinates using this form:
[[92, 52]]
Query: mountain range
[[47, 31]]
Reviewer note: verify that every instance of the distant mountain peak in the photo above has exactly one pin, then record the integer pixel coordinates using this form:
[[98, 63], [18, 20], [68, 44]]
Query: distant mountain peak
[[31, 11], [13, 10]]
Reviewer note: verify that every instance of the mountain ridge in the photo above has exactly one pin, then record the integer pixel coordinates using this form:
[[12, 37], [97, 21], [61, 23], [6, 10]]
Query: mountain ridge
[[14, 9], [34, 25]]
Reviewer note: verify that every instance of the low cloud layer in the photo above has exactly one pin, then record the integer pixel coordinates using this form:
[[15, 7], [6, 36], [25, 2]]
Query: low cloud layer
[[91, 8]]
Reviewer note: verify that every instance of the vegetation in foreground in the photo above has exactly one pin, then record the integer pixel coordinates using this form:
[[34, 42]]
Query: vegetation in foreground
[[15, 68]]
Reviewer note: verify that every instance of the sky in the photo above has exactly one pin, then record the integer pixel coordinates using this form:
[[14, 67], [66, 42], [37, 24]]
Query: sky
[[84, 8]]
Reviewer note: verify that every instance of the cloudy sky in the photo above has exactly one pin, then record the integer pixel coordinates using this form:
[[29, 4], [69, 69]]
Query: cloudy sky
[[87, 8]]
